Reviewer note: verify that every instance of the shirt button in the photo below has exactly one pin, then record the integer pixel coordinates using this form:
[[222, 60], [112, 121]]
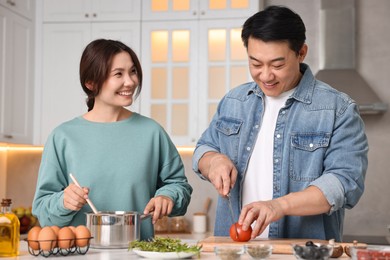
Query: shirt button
[[311, 145], [276, 160], [283, 112], [256, 126], [278, 136], [248, 148]]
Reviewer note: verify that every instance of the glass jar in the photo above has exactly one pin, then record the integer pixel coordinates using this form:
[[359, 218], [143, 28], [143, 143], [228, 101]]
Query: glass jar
[[9, 230]]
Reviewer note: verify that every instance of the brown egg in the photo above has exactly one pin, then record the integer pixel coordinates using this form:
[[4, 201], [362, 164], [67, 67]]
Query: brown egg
[[47, 239], [65, 238], [32, 237], [82, 236], [73, 229], [55, 229]]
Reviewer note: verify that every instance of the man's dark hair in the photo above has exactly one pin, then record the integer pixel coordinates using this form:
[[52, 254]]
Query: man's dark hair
[[275, 23]]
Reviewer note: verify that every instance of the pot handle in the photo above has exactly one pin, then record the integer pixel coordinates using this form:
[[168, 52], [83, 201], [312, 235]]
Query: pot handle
[[144, 216]]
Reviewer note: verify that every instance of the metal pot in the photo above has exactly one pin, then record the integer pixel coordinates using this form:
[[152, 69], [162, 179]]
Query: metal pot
[[114, 229]]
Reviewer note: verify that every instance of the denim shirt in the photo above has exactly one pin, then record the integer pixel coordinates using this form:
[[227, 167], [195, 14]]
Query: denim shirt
[[319, 140]]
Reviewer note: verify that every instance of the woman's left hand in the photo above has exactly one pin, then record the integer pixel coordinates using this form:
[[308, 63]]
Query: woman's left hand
[[160, 205]]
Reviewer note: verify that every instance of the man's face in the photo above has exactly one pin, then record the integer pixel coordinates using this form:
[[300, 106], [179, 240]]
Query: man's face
[[274, 66]]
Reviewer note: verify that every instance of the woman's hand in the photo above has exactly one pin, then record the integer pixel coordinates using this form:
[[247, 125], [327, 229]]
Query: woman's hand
[[160, 206], [75, 197]]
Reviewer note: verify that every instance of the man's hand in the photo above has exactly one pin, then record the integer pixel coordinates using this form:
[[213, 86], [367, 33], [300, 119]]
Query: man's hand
[[219, 170]]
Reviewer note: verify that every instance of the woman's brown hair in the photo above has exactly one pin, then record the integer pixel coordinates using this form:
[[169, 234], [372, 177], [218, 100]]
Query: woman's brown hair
[[95, 65]]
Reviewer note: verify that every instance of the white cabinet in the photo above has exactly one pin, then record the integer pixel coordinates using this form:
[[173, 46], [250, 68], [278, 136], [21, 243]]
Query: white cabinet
[[62, 97], [22, 7], [157, 10], [189, 65], [16, 77], [91, 10]]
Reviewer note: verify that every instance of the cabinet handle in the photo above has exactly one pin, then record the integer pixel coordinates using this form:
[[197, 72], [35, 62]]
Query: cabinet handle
[[86, 15], [11, 2], [94, 14], [194, 13], [8, 136], [203, 13]]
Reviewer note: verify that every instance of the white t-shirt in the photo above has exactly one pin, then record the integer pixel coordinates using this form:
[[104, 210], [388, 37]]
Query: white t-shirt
[[258, 183]]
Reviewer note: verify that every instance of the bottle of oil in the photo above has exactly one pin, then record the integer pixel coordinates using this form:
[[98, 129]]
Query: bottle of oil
[[9, 230]]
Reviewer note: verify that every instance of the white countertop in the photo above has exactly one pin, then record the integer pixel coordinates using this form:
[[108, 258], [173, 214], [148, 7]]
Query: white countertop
[[118, 254]]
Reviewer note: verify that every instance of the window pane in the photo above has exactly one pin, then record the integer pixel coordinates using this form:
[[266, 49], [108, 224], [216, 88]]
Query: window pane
[[217, 45], [180, 119], [180, 83], [159, 46], [181, 5], [235, 4], [159, 83], [216, 82], [159, 5], [217, 4], [181, 46], [159, 113], [238, 75], [237, 50]]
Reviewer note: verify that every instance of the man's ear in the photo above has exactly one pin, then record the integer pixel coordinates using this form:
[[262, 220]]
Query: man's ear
[[303, 52]]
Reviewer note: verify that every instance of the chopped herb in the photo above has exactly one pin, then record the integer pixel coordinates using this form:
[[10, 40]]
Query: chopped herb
[[160, 244]]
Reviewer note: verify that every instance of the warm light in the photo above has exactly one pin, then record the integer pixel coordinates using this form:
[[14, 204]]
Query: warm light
[[181, 5], [217, 4], [237, 4], [21, 148], [237, 49], [159, 46], [217, 45], [185, 149], [181, 46], [159, 5]]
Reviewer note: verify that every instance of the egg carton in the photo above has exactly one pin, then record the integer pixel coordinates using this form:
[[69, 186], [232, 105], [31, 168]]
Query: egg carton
[[35, 247]]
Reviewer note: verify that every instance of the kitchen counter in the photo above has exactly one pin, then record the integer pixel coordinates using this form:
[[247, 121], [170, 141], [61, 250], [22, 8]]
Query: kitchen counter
[[117, 254]]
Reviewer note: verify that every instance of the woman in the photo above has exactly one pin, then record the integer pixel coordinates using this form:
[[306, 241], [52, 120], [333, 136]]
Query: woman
[[125, 161]]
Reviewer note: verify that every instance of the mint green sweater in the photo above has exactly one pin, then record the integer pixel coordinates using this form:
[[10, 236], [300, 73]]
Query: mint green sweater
[[124, 164]]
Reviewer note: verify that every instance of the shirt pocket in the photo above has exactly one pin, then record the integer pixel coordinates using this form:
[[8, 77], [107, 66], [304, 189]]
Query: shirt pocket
[[307, 155], [229, 137]]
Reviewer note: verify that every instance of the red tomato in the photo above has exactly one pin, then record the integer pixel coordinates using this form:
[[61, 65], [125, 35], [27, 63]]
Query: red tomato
[[239, 235]]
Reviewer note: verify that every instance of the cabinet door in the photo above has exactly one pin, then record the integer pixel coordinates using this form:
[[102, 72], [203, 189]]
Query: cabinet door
[[21, 7], [63, 43], [223, 64], [169, 95], [16, 85], [156, 10], [91, 10], [62, 95]]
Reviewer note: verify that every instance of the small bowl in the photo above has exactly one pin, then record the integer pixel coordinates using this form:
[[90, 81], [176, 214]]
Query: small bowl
[[262, 251], [229, 252], [312, 251]]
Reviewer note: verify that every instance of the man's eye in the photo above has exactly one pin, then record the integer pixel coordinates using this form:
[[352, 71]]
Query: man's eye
[[279, 66]]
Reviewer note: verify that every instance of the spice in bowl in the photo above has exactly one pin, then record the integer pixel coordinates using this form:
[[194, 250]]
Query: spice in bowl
[[229, 252], [262, 251]]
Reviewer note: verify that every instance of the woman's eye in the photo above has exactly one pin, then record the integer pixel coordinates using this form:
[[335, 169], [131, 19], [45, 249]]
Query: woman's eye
[[133, 71]]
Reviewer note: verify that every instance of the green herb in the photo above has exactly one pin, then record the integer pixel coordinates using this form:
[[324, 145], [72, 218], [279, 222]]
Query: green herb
[[160, 244]]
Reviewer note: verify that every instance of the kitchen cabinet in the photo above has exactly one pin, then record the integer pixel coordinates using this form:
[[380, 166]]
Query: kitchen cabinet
[[189, 65], [157, 10], [16, 74], [24, 8], [62, 97], [91, 10]]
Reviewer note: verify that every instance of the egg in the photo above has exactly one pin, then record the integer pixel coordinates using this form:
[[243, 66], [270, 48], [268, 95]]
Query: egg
[[82, 235], [47, 238], [55, 229], [32, 237], [65, 238], [73, 229]]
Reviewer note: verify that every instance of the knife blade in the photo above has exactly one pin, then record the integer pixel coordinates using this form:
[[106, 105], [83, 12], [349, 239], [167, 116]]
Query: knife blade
[[232, 213]]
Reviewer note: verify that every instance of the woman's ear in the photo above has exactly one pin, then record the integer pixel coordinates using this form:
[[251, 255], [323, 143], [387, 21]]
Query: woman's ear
[[89, 85]]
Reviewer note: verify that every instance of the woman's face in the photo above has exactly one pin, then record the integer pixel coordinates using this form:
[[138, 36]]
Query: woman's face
[[274, 66], [119, 88]]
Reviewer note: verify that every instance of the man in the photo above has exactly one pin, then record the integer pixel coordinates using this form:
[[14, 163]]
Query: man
[[289, 150]]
